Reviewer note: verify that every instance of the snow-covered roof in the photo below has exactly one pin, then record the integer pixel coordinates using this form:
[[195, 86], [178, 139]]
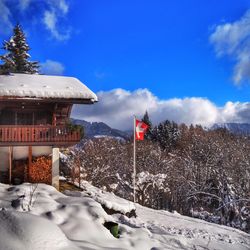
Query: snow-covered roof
[[44, 86]]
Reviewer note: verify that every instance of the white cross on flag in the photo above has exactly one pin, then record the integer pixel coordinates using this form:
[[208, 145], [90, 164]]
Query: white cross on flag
[[140, 129]]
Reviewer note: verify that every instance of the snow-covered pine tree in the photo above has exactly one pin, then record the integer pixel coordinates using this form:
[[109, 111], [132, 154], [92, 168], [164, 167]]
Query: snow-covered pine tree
[[145, 119], [16, 58], [166, 134]]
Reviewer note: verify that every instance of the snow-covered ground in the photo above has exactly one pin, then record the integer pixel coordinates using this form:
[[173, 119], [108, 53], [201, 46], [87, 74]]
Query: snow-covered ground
[[53, 220]]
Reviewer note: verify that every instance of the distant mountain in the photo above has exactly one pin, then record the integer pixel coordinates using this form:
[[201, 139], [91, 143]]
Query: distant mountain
[[235, 128], [98, 129]]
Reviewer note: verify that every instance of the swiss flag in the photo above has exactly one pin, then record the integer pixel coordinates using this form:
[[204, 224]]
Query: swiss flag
[[140, 129]]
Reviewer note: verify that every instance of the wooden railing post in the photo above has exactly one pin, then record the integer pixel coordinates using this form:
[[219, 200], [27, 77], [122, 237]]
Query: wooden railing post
[[30, 163], [10, 163]]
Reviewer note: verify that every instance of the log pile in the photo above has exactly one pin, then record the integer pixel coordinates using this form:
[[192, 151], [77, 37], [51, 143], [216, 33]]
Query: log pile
[[40, 170]]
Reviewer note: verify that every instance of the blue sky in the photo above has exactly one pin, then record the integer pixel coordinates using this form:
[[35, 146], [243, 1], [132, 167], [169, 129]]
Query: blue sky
[[176, 51]]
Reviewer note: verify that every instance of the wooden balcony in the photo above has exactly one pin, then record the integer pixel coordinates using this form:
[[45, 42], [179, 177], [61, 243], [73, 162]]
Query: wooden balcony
[[24, 135]]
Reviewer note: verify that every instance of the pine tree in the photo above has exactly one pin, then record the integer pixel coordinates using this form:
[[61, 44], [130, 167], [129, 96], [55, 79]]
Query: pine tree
[[145, 119], [166, 134], [16, 58]]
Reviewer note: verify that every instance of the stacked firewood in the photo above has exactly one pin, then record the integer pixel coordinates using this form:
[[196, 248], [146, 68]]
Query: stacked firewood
[[40, 170]]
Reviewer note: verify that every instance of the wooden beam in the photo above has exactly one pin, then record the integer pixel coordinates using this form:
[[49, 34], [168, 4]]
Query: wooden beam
[[54, 119], [10, 163], [30, 162]]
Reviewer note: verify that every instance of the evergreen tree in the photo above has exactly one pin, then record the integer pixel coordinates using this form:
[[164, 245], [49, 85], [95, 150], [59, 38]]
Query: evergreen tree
[[166, 134], [16, 58], [145, 119]]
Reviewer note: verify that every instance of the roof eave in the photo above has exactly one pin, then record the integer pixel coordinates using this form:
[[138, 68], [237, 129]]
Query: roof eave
[[40, 99]]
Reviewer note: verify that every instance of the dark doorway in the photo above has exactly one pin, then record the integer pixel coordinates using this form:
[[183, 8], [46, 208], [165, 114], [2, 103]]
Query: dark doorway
[[19, 171], [24, 118]]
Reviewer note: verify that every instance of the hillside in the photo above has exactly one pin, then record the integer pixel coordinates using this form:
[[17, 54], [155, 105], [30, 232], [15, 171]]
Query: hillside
[[75, 221], [96, 129]]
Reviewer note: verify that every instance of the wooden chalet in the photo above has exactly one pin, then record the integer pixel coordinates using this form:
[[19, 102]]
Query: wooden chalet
[[34, 117]]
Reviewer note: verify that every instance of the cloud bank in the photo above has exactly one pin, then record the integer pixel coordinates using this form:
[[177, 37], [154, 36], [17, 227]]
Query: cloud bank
[[117, 107], [49, 13], [233, 40]]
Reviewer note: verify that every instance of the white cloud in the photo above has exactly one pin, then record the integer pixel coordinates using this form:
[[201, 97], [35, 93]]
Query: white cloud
[[188, 110], [50, 20], [117, 107], [235, 112], [50, 67], [63, 6], [5, 23], [57, 9], [50, 13], [233, 40]]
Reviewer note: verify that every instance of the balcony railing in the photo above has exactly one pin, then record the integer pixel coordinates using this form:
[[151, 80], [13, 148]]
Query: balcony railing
[[38, 135]]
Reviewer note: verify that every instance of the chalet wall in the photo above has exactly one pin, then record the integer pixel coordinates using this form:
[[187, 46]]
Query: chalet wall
[[20, 153], [23, 152], [41, 150]]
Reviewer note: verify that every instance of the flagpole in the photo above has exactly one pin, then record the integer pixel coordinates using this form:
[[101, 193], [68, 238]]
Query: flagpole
[[134, 157]]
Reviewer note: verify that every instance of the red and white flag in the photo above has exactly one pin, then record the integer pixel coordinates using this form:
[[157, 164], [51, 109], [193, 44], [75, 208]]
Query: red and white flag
[[140, 129]]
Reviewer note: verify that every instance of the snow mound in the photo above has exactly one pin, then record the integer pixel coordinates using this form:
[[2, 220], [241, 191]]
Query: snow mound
[[57, 221], [108, 200], [23, 231]]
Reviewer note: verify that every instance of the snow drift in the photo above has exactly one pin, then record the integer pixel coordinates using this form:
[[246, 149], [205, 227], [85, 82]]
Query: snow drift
[[51, 220]]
